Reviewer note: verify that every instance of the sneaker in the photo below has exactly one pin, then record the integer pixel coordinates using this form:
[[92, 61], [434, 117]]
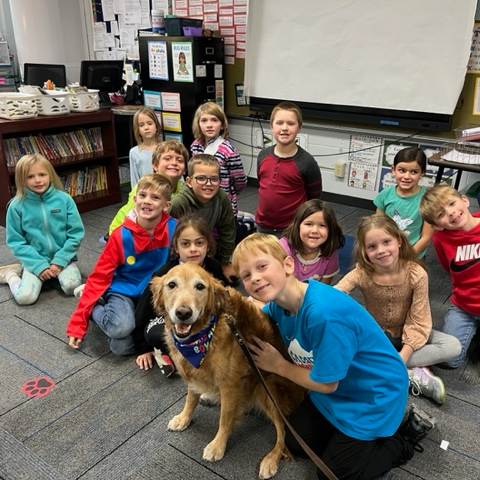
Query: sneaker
[[164, 362], [7, 270], [423, 382], [79, 290], [415, 425]]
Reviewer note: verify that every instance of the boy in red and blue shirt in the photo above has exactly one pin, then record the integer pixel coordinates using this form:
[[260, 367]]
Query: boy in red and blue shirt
[[134, 251]]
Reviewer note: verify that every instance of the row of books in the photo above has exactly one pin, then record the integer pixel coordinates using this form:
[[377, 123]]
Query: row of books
[[80, 182], [52, 147]]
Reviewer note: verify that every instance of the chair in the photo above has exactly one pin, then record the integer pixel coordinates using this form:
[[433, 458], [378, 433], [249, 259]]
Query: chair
[[39, 73]]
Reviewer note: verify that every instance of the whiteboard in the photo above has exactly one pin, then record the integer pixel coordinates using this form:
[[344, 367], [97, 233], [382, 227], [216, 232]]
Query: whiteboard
[[408, 55]]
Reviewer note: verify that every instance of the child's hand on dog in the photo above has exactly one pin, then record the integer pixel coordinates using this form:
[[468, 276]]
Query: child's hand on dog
[[145, 361], [266, 356]]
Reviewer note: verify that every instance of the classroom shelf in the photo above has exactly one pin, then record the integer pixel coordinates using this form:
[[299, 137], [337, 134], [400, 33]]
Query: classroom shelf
[[46, 125]]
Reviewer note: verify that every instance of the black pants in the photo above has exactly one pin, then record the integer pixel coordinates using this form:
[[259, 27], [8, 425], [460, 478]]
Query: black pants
[[155, 334], [347, 457]]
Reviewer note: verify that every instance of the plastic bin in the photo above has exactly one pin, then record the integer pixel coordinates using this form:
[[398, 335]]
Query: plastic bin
[[15, 106], [85, 101]]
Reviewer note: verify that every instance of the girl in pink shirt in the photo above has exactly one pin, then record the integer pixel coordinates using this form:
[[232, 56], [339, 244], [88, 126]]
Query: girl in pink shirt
[[313, 240]]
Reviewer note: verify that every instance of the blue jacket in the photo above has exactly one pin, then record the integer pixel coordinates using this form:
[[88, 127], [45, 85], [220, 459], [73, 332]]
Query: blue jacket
[[44, 229]]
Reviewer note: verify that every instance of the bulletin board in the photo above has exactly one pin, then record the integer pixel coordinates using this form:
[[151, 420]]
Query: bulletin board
[[228, 19], [116, 23]]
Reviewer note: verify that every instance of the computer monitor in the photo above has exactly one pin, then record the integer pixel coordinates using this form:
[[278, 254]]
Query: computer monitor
[[103, 75], [39, 73]]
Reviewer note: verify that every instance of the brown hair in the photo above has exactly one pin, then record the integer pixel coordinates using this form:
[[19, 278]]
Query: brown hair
[[202, 159], [136, 129], [200, 225], [433, 201], [335, 238], [23, 167], [209, 108], [388, 225], [289, 106], [258, 243], [158, 182], [411, 154], [167, 145]]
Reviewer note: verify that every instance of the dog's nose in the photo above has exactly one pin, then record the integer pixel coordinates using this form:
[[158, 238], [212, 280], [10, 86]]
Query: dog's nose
[[183, 312]]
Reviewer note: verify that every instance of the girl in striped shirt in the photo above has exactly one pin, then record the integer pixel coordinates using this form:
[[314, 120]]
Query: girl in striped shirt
[[210, 129]]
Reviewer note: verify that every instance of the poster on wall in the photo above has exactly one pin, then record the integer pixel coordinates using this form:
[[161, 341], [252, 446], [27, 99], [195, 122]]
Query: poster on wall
[[391, 149], [182, 59], [362, 175], [157, 60], [365, 148]]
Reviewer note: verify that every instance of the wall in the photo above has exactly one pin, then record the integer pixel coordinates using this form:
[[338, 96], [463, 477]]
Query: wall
[[330, 144], [50, 31]]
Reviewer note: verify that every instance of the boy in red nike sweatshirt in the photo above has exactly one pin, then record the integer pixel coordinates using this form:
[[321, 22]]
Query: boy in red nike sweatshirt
[[457, 243], [134, 251]]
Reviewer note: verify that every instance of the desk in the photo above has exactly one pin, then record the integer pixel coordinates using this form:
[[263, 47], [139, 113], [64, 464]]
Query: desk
[[437, 161]]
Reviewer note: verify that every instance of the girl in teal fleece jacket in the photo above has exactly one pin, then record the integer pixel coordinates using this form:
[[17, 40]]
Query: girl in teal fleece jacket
[[44, 232]]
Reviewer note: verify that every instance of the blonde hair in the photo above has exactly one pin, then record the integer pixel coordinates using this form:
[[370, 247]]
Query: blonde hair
[[258, 243], [434, 200], [157, 182], [202, 159], [290, 107], [167, 145], [385, 223], [23, 167], [136, 129], [209, 108]]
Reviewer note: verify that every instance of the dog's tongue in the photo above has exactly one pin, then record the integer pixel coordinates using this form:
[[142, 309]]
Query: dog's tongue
[[182, 329]]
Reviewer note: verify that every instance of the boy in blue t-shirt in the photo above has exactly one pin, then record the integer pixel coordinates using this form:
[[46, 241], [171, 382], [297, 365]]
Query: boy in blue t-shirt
[[357, 381], [402, 202]]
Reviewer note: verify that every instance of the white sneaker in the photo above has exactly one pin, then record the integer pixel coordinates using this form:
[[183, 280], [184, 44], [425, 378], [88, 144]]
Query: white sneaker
[[79, 290], [7, 270]]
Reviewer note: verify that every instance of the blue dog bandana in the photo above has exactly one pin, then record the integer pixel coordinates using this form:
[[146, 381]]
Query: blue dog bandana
[[197, 347]]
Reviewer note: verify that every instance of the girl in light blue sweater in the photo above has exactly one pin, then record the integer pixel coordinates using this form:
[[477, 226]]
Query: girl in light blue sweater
[[44, 232]]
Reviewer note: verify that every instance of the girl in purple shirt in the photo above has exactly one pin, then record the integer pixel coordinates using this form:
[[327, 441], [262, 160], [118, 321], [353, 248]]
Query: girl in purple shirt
[[313, 240]]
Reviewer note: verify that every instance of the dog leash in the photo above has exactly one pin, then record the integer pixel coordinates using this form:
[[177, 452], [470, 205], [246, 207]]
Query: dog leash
[[313, 456]]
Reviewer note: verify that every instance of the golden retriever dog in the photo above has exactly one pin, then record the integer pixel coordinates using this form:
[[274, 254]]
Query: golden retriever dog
[[192, 302]]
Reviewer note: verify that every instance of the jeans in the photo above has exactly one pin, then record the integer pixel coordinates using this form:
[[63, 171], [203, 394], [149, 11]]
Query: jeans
[[462, 325], [117, 320]]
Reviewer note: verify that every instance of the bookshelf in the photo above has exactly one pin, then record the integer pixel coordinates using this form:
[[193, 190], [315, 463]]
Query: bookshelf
[[100, 121]]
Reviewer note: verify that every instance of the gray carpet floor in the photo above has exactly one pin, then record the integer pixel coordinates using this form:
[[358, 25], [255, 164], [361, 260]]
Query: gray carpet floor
[[106, 419]]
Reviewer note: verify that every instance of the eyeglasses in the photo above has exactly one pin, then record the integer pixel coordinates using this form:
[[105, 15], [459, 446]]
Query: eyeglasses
[[203, 180]]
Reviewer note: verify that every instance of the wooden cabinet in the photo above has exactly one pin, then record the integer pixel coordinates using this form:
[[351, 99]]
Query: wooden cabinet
[[49, 125]]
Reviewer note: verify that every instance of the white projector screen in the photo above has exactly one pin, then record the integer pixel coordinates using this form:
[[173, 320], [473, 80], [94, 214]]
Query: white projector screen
[[404, 55]]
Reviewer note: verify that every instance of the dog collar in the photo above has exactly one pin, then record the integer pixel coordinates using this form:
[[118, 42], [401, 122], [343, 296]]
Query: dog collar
[[197, 347]]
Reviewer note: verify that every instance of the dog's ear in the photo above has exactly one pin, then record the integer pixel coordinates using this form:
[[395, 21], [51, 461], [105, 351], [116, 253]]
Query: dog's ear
[[221, 295], [156, 286]]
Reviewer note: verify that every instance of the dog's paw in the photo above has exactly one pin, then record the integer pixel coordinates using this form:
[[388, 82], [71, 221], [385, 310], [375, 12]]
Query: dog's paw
[[214, 451], [269, 465], [178, 423]]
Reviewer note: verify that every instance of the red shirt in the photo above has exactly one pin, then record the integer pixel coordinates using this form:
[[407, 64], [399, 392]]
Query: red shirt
[[459, 254], [284, 184]]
